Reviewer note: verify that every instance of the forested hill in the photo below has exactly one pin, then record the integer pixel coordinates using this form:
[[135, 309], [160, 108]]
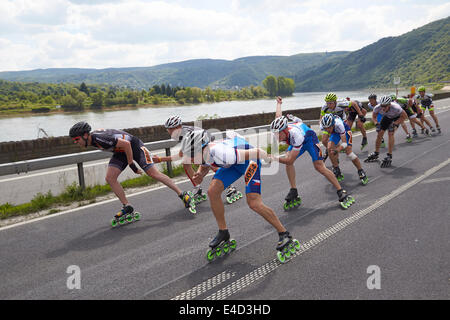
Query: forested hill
[[419, 56], [201, 73]]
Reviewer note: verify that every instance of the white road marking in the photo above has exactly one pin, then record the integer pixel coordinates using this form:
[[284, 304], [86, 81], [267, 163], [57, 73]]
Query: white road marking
[[436, 180]]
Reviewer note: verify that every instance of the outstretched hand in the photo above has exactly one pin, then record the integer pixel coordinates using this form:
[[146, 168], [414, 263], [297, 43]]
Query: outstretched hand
[[279, 100]]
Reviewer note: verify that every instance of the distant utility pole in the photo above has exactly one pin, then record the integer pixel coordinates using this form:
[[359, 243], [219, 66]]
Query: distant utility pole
[[396, 82]]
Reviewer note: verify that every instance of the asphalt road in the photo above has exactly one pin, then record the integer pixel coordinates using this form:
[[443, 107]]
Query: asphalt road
[[399, 224]]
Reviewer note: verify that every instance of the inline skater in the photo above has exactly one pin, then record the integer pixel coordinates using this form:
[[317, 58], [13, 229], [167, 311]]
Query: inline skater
[[340, 139], [427, 103], [301, 138], [234, 158], [407, 105], [126, 149], [393, 116], [420, 115], [177, 132], [372, 104], [356, 108], [340, 108]]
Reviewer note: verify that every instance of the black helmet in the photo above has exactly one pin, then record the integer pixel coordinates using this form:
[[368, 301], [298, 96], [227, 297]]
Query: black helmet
[[373, 96], [79, 128]]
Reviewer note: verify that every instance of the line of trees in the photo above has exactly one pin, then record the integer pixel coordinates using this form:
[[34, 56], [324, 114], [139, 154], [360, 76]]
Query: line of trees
[[71, 97]]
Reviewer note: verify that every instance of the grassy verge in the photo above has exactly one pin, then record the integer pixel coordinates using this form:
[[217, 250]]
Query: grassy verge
[[74, 193]]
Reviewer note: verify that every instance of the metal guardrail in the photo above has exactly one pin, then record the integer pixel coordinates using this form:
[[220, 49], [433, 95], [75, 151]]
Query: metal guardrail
[[81, 157]]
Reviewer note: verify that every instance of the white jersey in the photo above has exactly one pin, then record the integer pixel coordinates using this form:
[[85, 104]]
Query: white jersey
[[296, 135], [370, 106], [339, 110], [394, 111]]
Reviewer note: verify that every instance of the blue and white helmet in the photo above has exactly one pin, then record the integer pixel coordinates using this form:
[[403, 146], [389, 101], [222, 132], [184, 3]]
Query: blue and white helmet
[[279, 124], [327, 120]]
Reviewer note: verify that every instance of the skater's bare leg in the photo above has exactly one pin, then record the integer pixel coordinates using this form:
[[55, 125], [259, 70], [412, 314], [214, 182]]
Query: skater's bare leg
[[161, 177], [255, 203], [111, 178], [327, 173], [215, 199]]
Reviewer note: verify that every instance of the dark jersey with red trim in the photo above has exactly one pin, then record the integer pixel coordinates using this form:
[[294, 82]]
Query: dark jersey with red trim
[[106, 139]]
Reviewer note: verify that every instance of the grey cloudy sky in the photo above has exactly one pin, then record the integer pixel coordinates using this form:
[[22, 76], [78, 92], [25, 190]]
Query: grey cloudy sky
[[114, 33]]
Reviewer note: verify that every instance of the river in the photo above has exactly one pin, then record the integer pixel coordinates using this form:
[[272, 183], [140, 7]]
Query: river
[[28, 127]]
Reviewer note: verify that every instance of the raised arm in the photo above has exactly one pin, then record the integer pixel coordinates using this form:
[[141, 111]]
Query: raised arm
[[278, 112]]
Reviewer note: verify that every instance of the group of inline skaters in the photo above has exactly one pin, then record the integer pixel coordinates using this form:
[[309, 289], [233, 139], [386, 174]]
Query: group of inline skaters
[[234, 157]]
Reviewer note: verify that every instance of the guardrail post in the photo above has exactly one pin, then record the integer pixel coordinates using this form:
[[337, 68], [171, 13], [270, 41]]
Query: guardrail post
[[169, 163], [81, 175]]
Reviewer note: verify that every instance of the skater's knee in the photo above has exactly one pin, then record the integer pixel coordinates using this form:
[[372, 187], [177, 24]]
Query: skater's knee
[[255, 204], [110, 179], [214, 191]]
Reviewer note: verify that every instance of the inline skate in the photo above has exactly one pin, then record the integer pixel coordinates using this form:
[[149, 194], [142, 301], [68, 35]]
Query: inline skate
[[221, 245], [292, 199], [286, 247], [345, 200], [232, 195], [125, 216]]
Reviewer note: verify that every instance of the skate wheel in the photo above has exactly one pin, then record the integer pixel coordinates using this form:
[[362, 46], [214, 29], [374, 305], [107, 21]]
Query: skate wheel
[[121, 220], [218, 252], [296, 244], [240, 194], [233, 244], [114, 223], [205, 197], [286, 206], [281, 257], [229, 200], [210, 255], [292, 248], [365, 181], [137, 216], [286, 252], [130, 218], [226, 248], [192, 210]]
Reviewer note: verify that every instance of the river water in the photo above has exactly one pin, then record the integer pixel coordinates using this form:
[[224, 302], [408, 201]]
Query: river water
[[25, 128]]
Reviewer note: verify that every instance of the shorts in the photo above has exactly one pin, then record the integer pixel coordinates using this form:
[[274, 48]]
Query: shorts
[[140, 154], [387, 124], [352, 116], [429, 107], [336, 137], [409, 112], [310, 144], [231, 174]]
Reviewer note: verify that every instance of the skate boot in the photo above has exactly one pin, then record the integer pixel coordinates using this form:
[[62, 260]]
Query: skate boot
[[363, 177], [198, 195], [232, 195], [373, 157], [344, 199], [292, 199], [188, 201], [408, 138], [387, 161], [415, 135], [363, 143], [338, 174], [325, 157], [438, 129], [383, 144], [286, 246], [427, 132], [126, 215], [433, 130], [220, 245]]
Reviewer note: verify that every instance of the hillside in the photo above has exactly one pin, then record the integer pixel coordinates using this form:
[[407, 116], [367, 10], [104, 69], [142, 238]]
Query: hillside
[[201, 73], [419, 56]]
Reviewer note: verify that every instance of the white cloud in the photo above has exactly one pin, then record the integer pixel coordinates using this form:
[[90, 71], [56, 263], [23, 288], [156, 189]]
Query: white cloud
[[114, 33]]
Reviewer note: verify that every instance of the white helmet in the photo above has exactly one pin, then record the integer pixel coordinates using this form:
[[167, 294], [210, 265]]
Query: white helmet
[[279, 124], [194, 141], [327, 120], [385, 100], [172, 122]]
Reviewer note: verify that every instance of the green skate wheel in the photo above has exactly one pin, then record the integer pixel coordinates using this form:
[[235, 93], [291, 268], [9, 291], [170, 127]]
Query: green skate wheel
[[114, 223], [137, 216], [229, 200], [205, 197], [218, 252], [121, 220], [286, 206], [286, 252], [292, 248], [232, 244], [281, 257], [344, 205], [130, 218], [226, 248], [192, 210], [296, 244], [365, 181], [210, 255], [239, 194]]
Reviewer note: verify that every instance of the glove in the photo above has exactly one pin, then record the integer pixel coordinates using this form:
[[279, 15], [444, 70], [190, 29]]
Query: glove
[[133, 167], [363, 119]]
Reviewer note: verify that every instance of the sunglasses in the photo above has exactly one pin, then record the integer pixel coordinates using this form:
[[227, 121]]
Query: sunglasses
[[76, 139]]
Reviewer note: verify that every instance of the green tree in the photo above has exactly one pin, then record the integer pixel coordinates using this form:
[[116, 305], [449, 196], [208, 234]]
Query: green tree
[[271, 85]]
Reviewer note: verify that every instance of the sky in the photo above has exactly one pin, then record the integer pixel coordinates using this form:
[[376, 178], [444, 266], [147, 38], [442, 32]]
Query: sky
[[37, 34]]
